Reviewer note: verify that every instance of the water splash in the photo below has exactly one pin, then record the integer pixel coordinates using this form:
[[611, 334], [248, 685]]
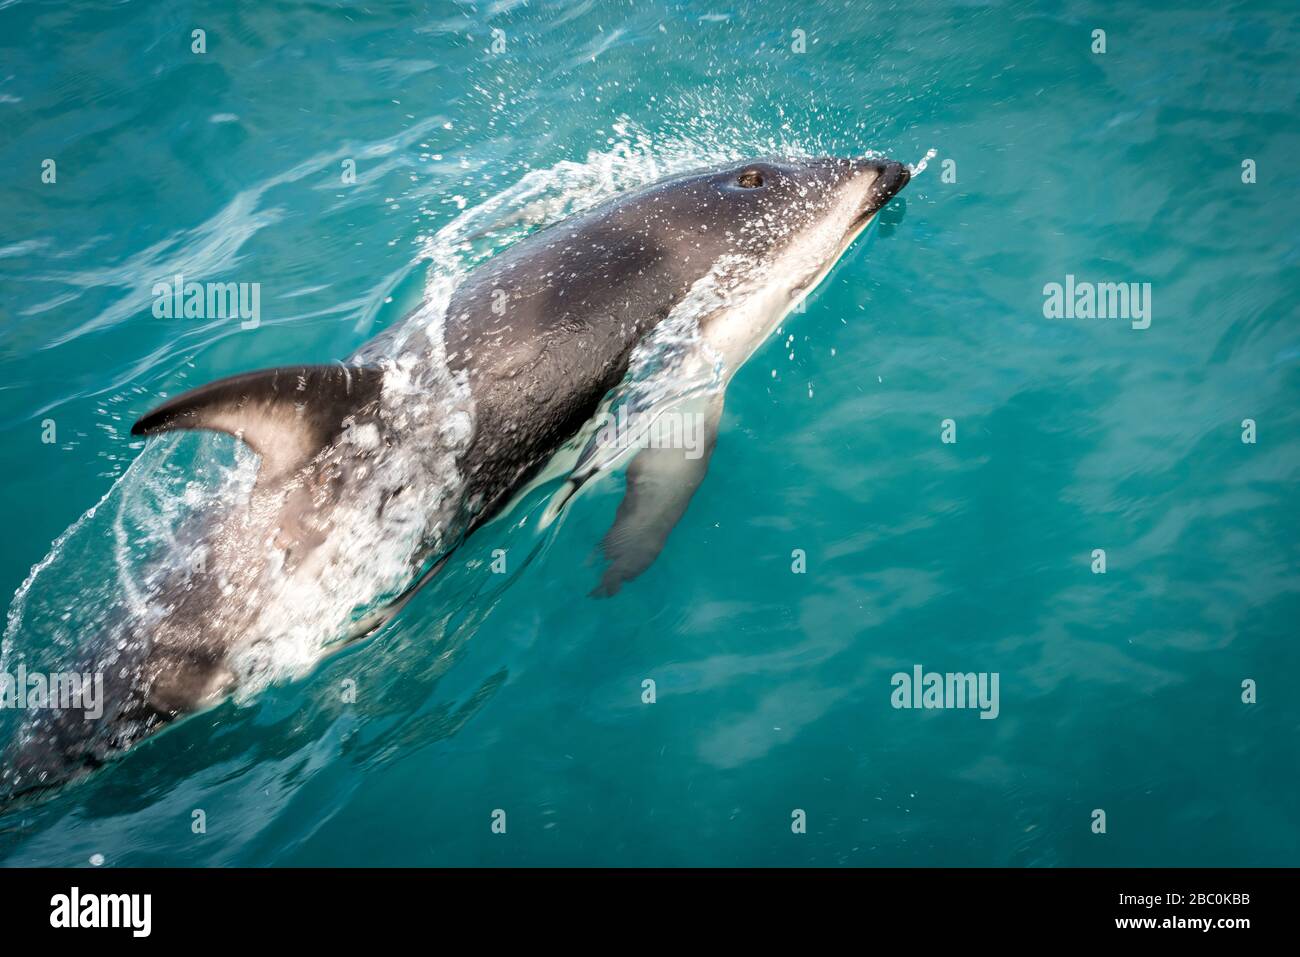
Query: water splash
[[919, 168]]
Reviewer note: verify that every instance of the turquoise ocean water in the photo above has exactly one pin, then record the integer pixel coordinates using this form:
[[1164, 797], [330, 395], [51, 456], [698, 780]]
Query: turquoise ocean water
[[1120, 692]]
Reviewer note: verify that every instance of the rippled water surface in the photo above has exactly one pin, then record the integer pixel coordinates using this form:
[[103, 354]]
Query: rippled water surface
[[1121, 692]]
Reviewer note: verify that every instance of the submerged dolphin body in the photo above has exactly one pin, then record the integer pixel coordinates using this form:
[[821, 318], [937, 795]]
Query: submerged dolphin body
[[374, 469]]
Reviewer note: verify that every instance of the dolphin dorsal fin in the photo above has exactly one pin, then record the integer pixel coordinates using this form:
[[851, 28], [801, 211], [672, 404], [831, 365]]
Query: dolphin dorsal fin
[[286, 415]]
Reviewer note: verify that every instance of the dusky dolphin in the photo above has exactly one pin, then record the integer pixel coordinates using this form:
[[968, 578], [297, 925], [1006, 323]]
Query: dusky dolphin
[[374, 469]]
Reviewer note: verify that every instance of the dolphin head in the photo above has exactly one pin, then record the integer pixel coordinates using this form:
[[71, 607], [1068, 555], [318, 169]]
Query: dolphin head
[[766, 209], [772, 199], [789, 220], [773, 227]]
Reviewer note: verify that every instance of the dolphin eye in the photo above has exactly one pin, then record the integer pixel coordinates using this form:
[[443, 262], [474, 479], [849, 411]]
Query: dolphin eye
[[750, 179]]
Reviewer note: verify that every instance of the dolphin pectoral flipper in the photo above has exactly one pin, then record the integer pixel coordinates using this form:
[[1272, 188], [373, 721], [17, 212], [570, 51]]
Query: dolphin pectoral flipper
[[286, 415], [660, 483]]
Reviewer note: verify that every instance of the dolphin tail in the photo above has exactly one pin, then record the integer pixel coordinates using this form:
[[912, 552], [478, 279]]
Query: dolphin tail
[[59, 745]]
